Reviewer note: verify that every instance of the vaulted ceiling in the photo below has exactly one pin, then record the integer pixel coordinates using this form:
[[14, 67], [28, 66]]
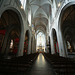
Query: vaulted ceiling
[[41, 10]]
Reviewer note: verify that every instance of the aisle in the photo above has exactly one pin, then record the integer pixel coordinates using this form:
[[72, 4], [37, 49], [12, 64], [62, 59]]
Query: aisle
[[41, 67]]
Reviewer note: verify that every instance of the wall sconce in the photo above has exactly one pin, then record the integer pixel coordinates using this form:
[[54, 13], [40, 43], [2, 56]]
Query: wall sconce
[[21, 7], [59, 4]]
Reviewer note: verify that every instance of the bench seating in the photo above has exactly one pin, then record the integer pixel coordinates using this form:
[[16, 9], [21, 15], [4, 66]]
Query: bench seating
[[61, 65]]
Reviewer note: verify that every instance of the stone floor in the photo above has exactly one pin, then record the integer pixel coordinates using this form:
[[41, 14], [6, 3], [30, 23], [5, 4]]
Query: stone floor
[[41, 67]]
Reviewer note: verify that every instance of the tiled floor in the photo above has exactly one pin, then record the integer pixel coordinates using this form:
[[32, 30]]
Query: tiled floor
[[41, 67]]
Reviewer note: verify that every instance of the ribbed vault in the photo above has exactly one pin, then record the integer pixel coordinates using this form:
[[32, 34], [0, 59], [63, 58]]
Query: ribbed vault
[[41, 10]]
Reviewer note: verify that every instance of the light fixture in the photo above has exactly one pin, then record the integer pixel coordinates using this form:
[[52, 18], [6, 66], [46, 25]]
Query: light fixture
[[59, 4], [21, 7]]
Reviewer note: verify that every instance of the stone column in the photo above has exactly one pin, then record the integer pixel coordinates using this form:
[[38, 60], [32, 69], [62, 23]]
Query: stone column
[[21, 44], [7, 48], [29, 45], [33, 45], [5, 42], [52, 45], [62, 45]]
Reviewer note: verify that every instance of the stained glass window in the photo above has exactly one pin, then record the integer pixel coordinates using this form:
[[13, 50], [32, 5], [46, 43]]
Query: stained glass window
[[40, 39]]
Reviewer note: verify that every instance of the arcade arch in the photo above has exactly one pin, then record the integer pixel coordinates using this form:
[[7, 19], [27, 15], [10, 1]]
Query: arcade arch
[[55, 41], [26, 43], [67, 27], [10, 31]]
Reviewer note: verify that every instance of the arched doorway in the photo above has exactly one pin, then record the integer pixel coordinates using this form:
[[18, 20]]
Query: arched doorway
[[56, 47], [10, 30], [26, 43], [13, 45], [49, 45], [67, 27]]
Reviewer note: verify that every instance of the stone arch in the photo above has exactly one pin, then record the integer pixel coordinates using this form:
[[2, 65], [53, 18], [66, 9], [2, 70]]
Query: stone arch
[[26, 42], [55, 41], [67, 28], [62, 13], [10, 24]]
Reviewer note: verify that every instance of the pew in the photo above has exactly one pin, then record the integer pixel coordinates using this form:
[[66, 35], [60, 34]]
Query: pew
[[61, 65], [16, 65]]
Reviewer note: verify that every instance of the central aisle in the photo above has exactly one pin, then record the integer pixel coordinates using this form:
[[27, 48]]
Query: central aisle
[[41, 67]]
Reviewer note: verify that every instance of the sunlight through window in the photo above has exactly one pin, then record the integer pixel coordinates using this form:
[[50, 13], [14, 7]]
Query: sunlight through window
[[40, 42], [11, 44]]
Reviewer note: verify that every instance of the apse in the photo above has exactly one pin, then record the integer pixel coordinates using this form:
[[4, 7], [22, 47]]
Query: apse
[[41, 42]]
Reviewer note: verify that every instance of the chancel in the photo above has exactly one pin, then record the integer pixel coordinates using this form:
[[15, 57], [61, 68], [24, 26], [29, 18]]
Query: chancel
[[40, 47], [37, 37]]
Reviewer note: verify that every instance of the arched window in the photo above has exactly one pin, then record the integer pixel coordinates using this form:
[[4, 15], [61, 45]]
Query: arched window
[[11, 44], [40, 39]]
